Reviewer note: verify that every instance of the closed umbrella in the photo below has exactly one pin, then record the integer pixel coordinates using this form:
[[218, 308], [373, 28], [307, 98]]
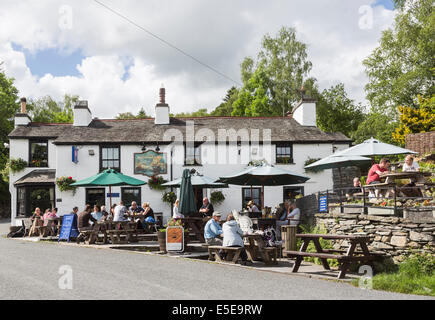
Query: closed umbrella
[[187, 198], [109, 177], [265, 175]]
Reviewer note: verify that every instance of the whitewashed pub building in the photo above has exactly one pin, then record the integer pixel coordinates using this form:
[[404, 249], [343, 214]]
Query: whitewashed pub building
[[164, 145]]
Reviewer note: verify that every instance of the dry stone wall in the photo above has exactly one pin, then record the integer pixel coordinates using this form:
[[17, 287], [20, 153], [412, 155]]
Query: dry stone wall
[[390, 236]]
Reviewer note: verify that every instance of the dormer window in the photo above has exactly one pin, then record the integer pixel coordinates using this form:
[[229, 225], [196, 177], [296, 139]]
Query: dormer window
[[38, 153]]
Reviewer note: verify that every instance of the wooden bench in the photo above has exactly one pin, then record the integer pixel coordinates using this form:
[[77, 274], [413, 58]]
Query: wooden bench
[[122, 236], [350, 255], [232, 253], [256, 249], [89, 236]]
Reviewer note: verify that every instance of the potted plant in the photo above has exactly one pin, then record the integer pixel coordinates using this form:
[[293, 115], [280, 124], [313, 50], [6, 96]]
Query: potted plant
[[64, 184], [217, 197]]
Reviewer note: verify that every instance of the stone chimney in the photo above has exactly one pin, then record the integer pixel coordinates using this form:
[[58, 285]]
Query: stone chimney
[[82, 114], [22, 118], [305, 111], [162, 109]]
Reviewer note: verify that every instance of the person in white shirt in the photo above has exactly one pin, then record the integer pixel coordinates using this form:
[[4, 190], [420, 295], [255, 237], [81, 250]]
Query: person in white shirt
[[295, 215], [176, 214], [119, 212], [252, 207], [233, 236], [290, 216], [410, 164]]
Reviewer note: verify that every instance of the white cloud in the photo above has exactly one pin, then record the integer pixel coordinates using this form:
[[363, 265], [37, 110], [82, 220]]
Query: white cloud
[[219, 33]]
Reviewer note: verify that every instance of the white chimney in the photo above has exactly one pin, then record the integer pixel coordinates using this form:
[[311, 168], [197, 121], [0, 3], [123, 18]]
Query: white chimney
[[22, 118], [162, 109], [82, 114], [305, 111]]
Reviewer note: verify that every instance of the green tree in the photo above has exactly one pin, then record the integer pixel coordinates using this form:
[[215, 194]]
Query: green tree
[[128, 115], [403, 65], [47, 110], [226, 107], [9, 106], [274, 79], [336, 112], [199, 113], [376, 125]]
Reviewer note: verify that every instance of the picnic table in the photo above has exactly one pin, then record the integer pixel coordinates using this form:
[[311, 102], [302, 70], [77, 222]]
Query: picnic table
[[344, 257], [256, 249], [264, 222], [418, 176], [195, 225]]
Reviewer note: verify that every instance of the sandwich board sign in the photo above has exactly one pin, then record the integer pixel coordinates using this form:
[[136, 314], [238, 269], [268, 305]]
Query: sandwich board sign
[[69, 227], [175, 239]]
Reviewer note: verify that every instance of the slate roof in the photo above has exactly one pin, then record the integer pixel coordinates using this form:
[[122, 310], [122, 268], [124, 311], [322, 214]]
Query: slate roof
[[37, 177], [136, 131]]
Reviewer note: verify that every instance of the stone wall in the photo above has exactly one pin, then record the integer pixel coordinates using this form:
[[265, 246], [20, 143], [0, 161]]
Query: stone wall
[[390, 236]]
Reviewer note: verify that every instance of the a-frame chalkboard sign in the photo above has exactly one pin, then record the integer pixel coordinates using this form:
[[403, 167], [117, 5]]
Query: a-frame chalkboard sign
[[69, 227]]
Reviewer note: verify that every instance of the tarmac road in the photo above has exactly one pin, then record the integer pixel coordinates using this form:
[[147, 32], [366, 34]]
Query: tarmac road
[[30, 270]]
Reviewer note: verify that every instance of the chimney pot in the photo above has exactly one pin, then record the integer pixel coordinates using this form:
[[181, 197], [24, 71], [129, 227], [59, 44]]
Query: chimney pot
[[162, 95], [23, 104]]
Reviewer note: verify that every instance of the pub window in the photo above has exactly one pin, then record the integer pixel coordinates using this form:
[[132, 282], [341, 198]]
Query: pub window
[[192, 155], [254, 196], [128, 195], [110, 158], [38, 153], [284, 153]]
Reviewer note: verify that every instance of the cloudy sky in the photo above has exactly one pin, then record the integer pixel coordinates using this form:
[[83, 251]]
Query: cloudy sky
[[79, 47]]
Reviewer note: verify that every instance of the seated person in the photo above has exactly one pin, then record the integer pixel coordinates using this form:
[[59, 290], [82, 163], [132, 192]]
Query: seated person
[[135, 209], [36, 219], [104, 213], [148, 215], [120, 212], [213, 230], [84, 217], [176, 214], [252, 207], [207, 208], [233, 236], [355, 189], [375, 172], [291, 216], [96, 214], [409, 190]]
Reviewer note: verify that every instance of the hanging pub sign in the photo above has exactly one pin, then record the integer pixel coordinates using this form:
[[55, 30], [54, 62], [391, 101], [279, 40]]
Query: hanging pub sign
[[175, 239], [150, 163], [69, 227]]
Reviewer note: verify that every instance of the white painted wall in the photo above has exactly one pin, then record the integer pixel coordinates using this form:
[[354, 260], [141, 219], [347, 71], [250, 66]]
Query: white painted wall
[[60, 159], [305, 114]]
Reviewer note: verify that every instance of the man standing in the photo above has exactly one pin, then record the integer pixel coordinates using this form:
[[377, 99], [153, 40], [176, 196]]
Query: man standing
[[207, 208], [120, 211], [213, 231]]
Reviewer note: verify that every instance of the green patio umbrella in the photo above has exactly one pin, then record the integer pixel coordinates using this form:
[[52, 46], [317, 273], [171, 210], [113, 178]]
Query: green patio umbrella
[[109, 177], [265, 175], [187, 198]]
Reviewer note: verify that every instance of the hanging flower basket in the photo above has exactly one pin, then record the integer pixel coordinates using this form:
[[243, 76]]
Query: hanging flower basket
[[169, 197], [64, 184], [217, 197], [17, 165], [155, 182]]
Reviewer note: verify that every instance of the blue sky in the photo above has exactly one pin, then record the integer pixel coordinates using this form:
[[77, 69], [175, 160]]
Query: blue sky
[[388, 4]]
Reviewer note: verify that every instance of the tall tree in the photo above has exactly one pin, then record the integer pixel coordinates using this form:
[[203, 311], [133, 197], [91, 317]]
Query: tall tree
[[46, 109], [8, 107], [128, 115], [403, 65], [376, 125], [336, 112], [271, 83], [226, 107]]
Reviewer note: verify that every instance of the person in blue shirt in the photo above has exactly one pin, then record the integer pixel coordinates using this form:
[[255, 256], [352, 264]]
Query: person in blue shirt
[[213, 230]]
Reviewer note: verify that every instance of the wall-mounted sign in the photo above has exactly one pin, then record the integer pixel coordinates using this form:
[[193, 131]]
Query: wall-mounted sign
[[323, 203], [114, 195], [75, 154], [150, 163]]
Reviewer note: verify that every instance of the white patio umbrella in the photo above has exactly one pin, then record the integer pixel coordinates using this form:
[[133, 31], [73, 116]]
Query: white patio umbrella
[[373, 147], [334, 161]]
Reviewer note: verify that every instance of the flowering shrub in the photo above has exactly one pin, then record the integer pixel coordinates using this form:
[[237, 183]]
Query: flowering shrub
[[155, 182], [17, 165], [169, 197], [64, 183]]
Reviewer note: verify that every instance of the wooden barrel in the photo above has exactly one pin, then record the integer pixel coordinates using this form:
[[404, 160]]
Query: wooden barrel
[[288, 234], [161, 237]]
